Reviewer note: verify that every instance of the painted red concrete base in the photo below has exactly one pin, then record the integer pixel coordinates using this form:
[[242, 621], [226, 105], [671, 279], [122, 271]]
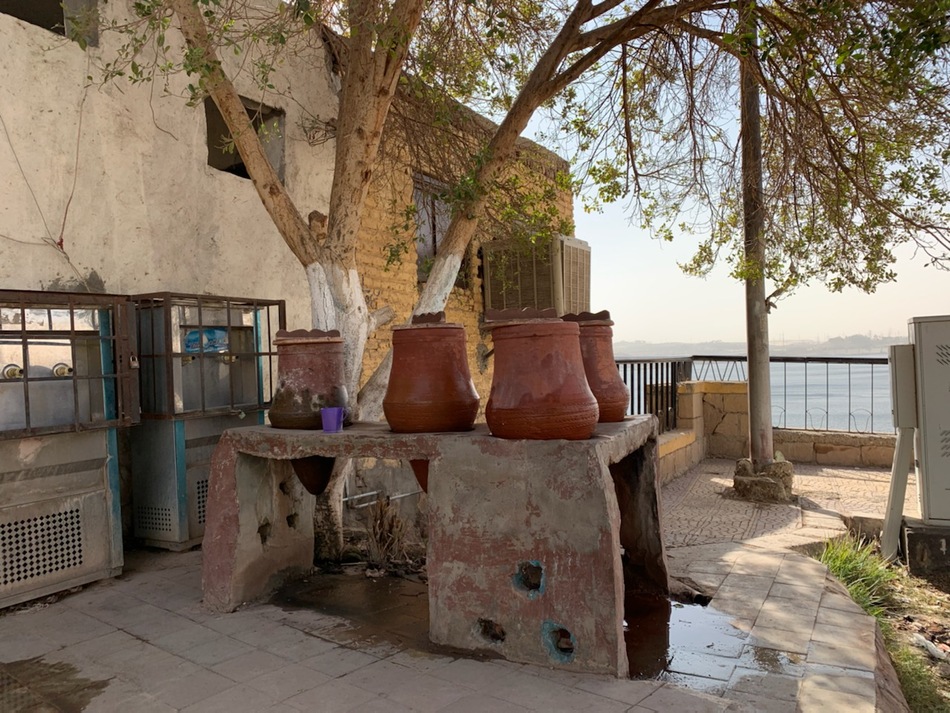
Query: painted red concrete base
[[529, 541]]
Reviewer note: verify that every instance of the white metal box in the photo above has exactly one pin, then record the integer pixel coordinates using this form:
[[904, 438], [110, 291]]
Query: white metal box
[[903, 385], [931, 339]]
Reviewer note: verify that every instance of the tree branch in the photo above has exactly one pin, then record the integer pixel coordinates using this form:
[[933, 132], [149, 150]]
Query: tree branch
[[273, 194]]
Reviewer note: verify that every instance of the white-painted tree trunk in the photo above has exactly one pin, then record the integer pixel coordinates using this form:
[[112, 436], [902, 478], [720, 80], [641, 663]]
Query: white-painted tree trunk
[[337, 302]]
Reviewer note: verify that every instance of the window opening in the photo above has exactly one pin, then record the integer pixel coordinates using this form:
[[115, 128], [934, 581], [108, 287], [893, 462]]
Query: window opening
[[222, 153], [76, 19], [433, 217]]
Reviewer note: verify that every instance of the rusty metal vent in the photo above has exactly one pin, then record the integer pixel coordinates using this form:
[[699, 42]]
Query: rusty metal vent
[[153, 519], [41, 545], [201, 499]]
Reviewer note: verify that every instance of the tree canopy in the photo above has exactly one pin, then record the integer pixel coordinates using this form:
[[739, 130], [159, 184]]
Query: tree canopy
[[856, 136]]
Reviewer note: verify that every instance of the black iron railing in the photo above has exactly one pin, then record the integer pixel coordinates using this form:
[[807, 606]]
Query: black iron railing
[[652, 384], [815, 393]]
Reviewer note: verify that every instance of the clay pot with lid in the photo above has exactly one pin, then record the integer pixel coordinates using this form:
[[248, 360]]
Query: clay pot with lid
[[539, 388], [597, 350], [430, 385], [310, 376]]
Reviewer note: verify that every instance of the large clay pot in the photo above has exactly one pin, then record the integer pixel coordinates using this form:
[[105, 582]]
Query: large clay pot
[[597, 350], [539, 389], [430, 385], [310, 376]]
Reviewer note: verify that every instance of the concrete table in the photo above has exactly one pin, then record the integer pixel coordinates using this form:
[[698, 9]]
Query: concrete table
[[531, 544]]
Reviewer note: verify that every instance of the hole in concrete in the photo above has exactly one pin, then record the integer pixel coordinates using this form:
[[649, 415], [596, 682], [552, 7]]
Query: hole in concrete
[[264, 532], [491, 630], [285, 487], [558, 641], [530, 578], [563, 641], [530, 575], [292, 521]]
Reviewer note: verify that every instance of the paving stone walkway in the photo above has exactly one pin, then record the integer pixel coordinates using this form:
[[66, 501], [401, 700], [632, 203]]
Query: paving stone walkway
[[792, 639]]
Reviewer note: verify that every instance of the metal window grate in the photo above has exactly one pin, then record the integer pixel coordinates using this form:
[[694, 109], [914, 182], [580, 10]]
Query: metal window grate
[[39, 546], [202, 355], [201, 499], [153, 519]]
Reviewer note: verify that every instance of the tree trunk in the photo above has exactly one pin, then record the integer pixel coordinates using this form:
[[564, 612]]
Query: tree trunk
[[757, 320]]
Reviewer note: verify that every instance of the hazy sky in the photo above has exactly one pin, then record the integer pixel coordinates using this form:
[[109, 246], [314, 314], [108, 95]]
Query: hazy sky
[[650, 298]]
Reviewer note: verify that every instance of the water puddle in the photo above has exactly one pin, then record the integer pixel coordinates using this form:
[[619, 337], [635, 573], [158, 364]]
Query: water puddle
[[36, 685], [383, 609], [691, 645]]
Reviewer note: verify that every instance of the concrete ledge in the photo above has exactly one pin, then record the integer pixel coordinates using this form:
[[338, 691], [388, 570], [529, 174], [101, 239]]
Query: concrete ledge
[[679, 451], [835, 447]]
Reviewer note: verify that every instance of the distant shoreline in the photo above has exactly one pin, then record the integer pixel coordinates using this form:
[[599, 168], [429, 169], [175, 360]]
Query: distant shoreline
[[854, 346]]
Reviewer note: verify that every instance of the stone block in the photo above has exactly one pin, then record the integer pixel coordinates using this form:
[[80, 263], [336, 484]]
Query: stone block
[[760, 488], [830, 454], [736, 403], [720, 446], [877, 456], [926, 547], [689, 404], [795, 451], [781, 471], [690, 424], [731, 425], [672, 441], [711, 388], [744, 468], [866, 527]]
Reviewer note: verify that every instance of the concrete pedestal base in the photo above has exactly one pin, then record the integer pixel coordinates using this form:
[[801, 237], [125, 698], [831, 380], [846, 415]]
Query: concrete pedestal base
[[530, 542], [926, 547]]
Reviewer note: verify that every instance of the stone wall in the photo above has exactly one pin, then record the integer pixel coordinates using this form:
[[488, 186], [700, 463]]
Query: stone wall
[[713, 422]]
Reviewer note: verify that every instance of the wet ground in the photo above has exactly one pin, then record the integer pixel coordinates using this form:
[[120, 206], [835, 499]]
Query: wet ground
[[36, 686], [665, 640]]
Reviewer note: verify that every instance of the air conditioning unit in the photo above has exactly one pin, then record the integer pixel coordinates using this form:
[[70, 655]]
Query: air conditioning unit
[[556, 274]]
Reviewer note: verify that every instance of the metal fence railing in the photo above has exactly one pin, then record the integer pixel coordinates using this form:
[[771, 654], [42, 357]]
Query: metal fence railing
[[815, 393], [652, 384]]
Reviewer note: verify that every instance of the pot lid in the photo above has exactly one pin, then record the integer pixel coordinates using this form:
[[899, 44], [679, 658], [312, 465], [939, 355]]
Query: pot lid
[[508, 317], [305, 336], [601, 318]]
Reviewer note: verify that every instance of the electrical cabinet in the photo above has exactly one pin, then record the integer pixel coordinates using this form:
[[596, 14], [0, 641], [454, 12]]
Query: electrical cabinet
[[931, 339]]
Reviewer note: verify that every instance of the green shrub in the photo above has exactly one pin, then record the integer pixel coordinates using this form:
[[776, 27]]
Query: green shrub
[[862, 570]]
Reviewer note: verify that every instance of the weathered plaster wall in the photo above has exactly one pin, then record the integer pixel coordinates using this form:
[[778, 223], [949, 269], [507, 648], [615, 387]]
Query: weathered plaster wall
[[119, 174]]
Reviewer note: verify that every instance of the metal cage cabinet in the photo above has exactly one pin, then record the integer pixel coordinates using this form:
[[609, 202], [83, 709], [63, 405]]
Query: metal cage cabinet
[[67, 383], [207, 364]]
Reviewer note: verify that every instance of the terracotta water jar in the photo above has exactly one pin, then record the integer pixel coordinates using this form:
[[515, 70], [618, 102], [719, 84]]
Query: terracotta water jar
[[430, 385], [539, 389], [597, 350], [310, 376]]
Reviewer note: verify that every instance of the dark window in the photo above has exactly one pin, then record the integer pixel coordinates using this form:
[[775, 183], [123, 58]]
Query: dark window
[[222, 153], [433, 216], [76, 19]]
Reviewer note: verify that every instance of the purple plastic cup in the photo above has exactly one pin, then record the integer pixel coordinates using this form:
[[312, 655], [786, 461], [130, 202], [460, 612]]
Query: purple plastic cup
[[332, 417]]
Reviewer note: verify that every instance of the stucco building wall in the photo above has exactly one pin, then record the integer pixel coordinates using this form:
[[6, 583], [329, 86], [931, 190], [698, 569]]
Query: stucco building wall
[[119, 174]]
